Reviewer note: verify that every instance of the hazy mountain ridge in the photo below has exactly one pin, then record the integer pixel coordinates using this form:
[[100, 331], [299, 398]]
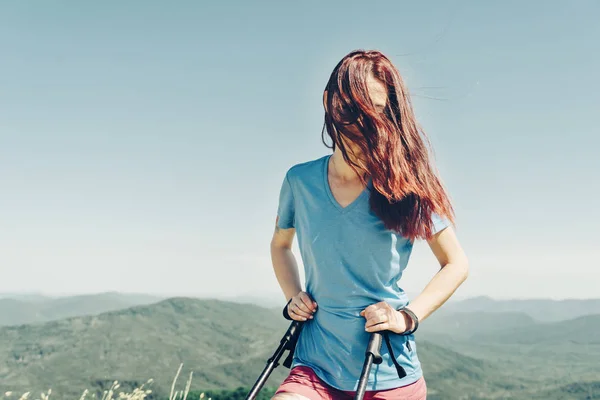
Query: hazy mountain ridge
[[465, 325], [27, 308], [138, 343], [544, 310], [511, 328], [33, 308], [579, 330], [226, 345]]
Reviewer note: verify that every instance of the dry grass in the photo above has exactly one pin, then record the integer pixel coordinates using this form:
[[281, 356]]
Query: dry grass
[[139, 393]]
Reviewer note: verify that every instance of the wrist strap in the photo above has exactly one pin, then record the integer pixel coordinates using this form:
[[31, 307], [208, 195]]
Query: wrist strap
[[401, 371], [285, 311], [413, 317]]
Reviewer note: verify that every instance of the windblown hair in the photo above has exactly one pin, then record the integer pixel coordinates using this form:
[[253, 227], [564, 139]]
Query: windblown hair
[[395, 149]]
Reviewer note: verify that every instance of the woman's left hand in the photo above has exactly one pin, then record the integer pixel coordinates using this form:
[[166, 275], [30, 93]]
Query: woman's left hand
[[381, 316]]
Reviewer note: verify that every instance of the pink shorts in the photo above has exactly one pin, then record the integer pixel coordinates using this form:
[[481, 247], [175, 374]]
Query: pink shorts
[[303, 381]]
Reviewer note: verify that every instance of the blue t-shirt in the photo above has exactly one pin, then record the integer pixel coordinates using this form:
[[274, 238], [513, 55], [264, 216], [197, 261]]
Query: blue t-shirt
[[350, 262]]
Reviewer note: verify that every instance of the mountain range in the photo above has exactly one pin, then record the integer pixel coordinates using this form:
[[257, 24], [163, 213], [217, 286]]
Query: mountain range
[[16, 309], [226, 344]]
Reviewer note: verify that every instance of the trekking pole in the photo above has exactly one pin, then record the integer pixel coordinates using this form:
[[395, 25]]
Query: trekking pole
[[372, 355], [288, 342]]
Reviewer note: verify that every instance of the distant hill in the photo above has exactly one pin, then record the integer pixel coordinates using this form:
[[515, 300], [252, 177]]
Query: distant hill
[[509, 328], [15, 312], [28, 297], [266, 301], [464, 325], [572, 391], [581, 330], [545, 310], [451, 375], [225, 344], [28, 309]]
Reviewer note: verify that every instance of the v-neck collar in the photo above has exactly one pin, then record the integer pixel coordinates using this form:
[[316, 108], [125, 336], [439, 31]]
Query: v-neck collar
[[334, 202]]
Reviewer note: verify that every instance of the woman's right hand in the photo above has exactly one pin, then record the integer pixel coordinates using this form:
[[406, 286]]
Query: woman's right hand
[[301, 307]]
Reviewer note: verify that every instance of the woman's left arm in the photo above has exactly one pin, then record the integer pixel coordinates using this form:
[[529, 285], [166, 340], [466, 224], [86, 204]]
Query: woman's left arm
[[453, 272]]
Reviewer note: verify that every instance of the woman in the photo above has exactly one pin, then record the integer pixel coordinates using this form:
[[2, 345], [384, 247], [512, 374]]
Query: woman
[[357, 213]]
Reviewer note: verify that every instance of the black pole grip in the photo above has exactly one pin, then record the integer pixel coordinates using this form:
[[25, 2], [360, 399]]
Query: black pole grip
[[374, 347]]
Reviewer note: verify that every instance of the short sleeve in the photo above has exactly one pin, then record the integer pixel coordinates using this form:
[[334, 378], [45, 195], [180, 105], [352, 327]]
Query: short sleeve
[[439, 223], [286, 209]]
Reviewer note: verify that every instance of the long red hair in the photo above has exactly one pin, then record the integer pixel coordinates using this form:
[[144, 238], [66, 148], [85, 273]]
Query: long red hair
[[395, 148]]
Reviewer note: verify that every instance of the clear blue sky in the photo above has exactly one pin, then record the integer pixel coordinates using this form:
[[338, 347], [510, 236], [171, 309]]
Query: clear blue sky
[[142, 143]]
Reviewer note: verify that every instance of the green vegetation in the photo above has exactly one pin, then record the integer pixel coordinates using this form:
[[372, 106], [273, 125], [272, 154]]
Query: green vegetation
[[226, 345], [236, 394], [223, 343]]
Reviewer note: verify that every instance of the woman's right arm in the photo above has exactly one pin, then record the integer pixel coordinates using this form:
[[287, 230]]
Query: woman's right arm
[[286, 272], [284, 261]]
